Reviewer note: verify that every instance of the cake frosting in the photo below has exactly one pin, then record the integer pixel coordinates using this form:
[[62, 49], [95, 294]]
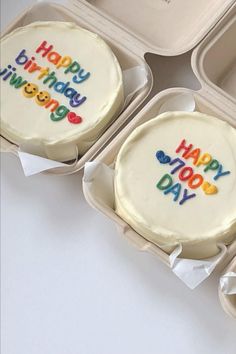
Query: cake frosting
[[60, 87], [175, 182]]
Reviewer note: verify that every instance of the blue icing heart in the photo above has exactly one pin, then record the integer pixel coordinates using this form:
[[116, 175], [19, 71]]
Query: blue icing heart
[[162, 157]]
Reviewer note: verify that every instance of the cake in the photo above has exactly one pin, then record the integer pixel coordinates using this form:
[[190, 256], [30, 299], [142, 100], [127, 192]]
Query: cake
[[60, 87], [175, 182]]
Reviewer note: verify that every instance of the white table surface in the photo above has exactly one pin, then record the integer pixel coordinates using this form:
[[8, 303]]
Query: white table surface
[[72, 285]]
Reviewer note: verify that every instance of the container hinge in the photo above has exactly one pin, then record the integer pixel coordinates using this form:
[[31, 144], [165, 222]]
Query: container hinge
[[105, 26]]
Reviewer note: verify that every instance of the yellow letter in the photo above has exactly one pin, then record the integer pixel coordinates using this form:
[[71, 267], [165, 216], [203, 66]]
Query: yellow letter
[[64, 61], [43, 71], [203, 159]]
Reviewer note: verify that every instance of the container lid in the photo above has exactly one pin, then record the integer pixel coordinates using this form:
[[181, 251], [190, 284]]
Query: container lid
[[214, 62], [165, 27]]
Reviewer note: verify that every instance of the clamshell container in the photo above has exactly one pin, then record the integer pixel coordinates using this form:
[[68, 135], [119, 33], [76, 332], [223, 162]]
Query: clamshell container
[[228, 302], [214, 64], [133, 28]]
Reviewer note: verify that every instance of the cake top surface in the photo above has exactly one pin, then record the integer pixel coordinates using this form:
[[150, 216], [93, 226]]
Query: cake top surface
[[69, 81], [176, 177]]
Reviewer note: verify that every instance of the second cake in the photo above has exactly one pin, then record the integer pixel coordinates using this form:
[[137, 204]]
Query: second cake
[[175, 182]]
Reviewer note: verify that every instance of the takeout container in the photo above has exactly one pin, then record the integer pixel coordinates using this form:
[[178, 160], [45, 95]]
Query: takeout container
[[214, 64], [132, 29], [109, 153], [228, 302]]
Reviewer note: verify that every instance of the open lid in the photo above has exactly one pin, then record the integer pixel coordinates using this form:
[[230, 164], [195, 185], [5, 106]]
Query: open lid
[[214, 62], [165, 27]]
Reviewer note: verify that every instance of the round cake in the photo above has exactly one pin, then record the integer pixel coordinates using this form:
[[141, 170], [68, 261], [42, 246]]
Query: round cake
[[175, 182], [60, 87]]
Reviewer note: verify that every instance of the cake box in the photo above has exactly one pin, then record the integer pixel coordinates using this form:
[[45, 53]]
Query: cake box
[[214, 64], [152, 29]]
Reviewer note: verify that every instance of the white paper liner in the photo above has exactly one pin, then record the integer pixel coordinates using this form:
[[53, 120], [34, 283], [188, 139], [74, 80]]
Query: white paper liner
[[192, 271], [33, 164], [98, 183], [228, 283], [134, 79]]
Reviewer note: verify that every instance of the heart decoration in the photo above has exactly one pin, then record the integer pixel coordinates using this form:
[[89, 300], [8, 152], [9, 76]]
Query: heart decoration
[[209, 188], [162, 157], [73, 118]]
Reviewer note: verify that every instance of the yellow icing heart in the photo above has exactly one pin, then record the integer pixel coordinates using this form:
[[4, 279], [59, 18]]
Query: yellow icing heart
[[209, 188]]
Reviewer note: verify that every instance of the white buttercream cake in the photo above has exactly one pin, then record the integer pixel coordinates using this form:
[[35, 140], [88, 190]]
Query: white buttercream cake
[[175, 182], [60, 87]]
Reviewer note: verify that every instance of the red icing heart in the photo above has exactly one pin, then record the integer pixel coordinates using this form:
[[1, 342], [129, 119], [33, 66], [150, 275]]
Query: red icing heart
[[73, 118]]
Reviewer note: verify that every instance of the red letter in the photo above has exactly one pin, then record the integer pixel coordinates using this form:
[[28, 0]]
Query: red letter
[[182, 146], [44, 48]]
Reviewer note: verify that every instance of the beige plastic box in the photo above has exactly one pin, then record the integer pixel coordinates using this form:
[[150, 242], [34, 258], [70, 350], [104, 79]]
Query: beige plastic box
[[132, 28], [228, 302], [214, 64]]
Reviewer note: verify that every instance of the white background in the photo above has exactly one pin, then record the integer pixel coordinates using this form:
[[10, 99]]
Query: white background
[[72, 285]]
